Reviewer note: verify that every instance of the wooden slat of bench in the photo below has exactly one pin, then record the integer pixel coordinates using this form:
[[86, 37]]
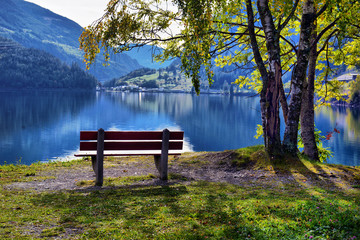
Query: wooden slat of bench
[[131, 135], [160, 144], [126, 153], [138, 145]]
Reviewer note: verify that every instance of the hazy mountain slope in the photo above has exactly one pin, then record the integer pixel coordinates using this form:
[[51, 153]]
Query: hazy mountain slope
[[144, 56], [32, 68], [171, 77], [33, 26]]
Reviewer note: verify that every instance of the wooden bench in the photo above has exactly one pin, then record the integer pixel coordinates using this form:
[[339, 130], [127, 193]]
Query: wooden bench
[[160, 144]]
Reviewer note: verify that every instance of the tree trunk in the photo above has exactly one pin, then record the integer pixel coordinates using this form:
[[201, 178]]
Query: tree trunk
[[298, 78], [271, 90], [284, 104], [271, 120], [307, 107], [269, 97]]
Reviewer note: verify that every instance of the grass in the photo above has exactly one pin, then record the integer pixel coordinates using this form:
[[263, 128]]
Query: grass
[[125, 209], [22, 173]]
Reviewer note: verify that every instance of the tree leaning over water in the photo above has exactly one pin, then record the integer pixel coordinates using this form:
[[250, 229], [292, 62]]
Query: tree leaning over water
[[269, 37], [334, 42]]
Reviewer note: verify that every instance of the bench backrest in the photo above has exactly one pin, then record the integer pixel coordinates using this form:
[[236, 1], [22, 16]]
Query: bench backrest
[[130, 140]]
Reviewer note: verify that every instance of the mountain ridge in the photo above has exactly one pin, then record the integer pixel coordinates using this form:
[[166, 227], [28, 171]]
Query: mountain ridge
[[30, 68], [35, 27]]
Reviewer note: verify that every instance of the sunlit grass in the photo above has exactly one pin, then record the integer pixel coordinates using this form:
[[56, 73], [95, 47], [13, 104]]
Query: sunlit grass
[[22, 173], [128, 209], [197, 211]]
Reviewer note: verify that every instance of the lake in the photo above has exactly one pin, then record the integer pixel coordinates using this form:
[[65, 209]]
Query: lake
[[45, 125]]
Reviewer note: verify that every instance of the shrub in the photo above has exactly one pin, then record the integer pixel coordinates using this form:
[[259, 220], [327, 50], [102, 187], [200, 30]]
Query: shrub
[[354, 93]]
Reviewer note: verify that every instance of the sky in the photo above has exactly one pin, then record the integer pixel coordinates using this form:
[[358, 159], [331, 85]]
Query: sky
[[84, 12]]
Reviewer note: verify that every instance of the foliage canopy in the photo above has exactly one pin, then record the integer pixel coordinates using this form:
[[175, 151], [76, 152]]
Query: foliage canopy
[[269, 38], [204, 33]]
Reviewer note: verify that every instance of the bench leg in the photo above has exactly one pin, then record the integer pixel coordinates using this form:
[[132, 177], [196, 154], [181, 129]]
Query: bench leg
[[99, 171], [162, 166], [93, 163], [164, 155], [95, 167], [100, 158], [157, 159]]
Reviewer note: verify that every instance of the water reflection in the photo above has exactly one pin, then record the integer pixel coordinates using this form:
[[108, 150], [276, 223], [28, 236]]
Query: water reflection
[[346, 144], [210, 122], [36, 126]]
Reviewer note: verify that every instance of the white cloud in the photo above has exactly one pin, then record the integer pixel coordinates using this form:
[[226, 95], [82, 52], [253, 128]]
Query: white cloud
[[84, 12]]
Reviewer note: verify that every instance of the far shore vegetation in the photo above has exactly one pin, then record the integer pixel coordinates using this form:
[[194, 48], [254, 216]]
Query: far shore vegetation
[[257, 198], [266, 39]]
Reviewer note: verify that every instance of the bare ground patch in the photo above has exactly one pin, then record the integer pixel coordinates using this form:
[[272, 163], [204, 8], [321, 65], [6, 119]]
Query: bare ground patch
[[199, 166]]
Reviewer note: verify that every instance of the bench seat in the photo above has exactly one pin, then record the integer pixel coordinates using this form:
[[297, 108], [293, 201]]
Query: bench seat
[[126, 153], [160, 144]]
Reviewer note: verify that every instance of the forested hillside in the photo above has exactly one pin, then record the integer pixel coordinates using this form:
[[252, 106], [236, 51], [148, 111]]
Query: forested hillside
[[171, 77], [167, 78], [22, 67], [35, 27]]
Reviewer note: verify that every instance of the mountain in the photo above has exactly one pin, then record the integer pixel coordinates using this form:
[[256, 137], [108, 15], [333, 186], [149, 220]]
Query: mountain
[[171, 77], [144, 56], [35, 27], [168, 78], [32, 68]]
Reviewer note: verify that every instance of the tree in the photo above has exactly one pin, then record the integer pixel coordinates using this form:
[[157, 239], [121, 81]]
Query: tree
[[166, 77], [354, 91], [31, 68], [273, 37], [149, 84], [333, 43]]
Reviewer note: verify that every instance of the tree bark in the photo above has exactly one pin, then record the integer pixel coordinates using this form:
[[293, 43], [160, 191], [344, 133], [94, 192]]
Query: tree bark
[[271, 93], [298, 78], [307, 107], [269, 96], [283, 101]]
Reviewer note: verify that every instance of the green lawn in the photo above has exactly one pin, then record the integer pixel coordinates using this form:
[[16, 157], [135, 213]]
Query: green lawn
[[125, 209]]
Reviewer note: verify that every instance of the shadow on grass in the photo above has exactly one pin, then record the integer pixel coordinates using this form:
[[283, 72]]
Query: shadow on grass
[[197, 211], [124, 207], [165, 212], [203, 210], [300, 175]]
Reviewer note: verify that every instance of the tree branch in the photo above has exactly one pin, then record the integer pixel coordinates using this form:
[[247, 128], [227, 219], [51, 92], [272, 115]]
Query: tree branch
[[325, 30], [327, 41], [321, 11], [254, 43], [283, 25]]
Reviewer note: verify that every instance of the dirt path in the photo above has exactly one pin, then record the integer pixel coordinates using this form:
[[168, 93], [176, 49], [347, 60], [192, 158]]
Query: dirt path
[[214, 167]]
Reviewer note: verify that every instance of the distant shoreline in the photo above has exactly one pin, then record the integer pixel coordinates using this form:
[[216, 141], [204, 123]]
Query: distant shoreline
[[211, 92], [352, 105]]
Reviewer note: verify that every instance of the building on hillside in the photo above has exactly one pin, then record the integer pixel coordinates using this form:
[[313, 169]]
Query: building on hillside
[[347, 77]]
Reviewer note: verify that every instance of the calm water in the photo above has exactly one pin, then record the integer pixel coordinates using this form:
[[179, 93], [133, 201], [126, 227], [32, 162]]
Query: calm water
[[41, 126]]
